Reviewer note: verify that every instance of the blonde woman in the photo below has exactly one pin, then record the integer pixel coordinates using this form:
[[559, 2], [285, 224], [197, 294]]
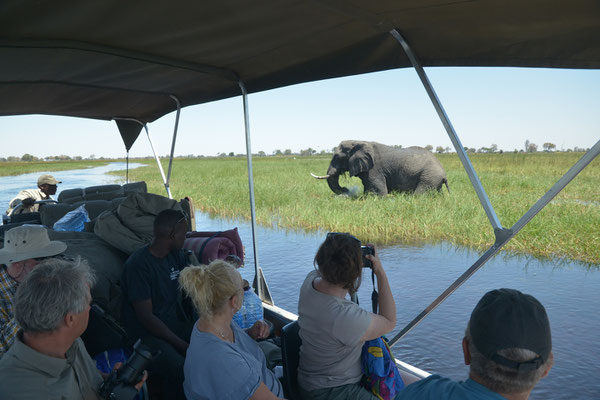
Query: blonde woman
[[222, 361]]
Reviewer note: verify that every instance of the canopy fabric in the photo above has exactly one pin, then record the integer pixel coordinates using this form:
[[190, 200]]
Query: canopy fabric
[[106, 59], [129, 130]]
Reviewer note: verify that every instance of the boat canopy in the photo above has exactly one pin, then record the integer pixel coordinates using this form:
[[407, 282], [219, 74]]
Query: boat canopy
[[113, 59]]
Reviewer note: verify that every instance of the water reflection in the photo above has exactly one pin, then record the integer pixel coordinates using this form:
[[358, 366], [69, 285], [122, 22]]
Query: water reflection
[[569, 291]]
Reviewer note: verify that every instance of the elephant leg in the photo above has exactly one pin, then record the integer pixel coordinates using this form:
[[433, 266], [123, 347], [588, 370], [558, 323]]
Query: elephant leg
[[375, 185], [423, 187]]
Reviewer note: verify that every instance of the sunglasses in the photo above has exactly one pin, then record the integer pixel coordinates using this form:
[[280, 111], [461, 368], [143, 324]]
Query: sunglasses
[[182, 219], [343, 235]]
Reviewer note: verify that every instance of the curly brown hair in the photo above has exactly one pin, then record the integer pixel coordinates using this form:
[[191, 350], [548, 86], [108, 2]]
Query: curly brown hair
[[339, 260]]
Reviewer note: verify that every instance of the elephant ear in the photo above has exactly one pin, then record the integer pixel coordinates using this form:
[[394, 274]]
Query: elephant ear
[[361, 159]]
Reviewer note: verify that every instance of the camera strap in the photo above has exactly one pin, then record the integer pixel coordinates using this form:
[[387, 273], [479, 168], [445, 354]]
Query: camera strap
[[374, 294]]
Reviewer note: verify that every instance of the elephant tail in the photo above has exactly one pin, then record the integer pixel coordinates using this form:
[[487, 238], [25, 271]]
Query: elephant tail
[[446, 183]]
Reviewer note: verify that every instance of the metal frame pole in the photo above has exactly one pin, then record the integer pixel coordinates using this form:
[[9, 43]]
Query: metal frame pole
[[168, 181], [251, 186], [532, 212], [483, 198], [160, 168]]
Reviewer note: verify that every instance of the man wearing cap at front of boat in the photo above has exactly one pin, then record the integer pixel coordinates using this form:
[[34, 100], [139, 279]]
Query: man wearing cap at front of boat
[[508, 346], [24, 247], [24, 202]]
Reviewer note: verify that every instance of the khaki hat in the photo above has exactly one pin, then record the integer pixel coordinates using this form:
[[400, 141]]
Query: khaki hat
[[29, 241], [47, 179]]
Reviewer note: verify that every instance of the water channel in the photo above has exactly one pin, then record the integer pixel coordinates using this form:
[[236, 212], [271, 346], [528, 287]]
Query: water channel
[[570, 291]]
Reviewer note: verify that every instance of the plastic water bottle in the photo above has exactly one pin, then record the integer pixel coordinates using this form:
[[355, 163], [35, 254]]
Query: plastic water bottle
[[73, 220], [251, 311]]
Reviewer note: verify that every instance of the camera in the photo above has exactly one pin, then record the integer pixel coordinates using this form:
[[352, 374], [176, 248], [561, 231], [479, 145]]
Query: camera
[[120, 384], [366, 250]]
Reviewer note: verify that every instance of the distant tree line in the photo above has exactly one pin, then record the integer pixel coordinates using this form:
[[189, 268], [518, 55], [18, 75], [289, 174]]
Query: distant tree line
[[493, 148]]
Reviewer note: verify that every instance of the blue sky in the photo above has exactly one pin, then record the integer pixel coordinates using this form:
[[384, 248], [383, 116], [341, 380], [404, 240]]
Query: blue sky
[[503, 106]]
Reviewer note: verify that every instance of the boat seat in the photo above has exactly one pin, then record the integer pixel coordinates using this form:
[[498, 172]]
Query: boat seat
[[290, 351]]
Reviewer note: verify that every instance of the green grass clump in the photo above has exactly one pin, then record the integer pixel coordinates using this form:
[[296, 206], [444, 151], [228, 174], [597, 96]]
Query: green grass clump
[[288, 196]]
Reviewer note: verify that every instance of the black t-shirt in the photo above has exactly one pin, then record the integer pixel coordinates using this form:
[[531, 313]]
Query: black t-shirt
[[147, 277]]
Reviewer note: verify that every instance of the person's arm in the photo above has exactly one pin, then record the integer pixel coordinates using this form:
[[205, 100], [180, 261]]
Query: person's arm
[[385, 321], [143, 312], [263, 393]]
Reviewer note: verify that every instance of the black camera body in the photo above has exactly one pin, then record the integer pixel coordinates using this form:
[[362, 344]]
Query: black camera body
[[120, 384], [366, 250]]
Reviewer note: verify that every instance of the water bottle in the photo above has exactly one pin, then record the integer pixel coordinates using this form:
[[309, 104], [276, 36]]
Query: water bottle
[[73, 220], [251, 311]]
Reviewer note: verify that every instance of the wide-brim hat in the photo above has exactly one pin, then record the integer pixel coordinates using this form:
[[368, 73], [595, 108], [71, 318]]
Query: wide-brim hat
[[29, 241], [47, 179]]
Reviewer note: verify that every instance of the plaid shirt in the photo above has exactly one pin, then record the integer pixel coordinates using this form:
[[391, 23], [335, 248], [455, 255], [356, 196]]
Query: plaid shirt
[[8, 323]]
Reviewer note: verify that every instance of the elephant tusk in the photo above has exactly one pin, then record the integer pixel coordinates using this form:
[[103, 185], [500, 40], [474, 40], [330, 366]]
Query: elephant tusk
[[319, 177]]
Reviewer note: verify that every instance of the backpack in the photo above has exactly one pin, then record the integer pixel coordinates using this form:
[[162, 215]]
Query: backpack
[[380, 374]]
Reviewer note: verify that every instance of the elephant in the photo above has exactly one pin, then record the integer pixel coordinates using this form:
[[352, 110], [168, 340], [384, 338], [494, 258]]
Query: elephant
[[384, 169]]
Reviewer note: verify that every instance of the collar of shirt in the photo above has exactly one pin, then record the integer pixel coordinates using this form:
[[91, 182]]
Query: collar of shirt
[[48, 365], [8, 285], [477, 387]]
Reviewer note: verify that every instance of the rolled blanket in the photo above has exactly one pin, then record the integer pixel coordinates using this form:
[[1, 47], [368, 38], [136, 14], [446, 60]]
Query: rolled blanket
[[209, 246]]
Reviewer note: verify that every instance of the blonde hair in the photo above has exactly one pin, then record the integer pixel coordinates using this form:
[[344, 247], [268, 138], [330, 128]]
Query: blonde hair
[[211, 286]]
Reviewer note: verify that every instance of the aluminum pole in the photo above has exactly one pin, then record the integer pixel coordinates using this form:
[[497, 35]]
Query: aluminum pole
[[532, 212], [160, 168], [168, 181], [483, 198], [251, 186]]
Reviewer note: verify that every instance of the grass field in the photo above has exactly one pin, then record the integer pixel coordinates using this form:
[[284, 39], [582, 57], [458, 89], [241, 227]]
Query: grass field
[[286, 195], [19, 168]]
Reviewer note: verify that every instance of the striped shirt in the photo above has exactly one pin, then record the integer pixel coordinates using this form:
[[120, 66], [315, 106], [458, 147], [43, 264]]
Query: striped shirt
[[8, 323]]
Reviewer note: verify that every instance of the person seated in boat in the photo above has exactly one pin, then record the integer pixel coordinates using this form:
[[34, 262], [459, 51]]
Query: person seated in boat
[[24, 247], [333, 328], [47, 186], [508, 347], [48, 359], [152, 309], [222, 362]]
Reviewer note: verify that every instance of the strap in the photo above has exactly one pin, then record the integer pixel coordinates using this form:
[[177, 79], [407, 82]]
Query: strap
[[204, 245], [374, 294]]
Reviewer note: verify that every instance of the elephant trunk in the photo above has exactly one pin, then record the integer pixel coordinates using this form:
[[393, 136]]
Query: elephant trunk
[[334, 185]]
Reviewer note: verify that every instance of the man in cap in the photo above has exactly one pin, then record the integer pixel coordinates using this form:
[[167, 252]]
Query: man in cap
[[24, 247], [26, 198], [508, 346]]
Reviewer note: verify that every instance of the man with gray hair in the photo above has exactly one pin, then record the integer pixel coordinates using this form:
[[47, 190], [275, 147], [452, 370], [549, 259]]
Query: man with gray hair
[[48, 359], [508, 346]]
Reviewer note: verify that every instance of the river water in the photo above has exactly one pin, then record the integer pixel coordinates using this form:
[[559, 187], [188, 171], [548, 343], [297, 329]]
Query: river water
[[570, 291]]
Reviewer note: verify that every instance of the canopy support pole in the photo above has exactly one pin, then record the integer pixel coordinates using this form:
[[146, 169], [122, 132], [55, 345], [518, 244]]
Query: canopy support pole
[[483, 198], [168, 180], [262, 290], [160, 168], [127, 168], [532, 212], [503, 235]]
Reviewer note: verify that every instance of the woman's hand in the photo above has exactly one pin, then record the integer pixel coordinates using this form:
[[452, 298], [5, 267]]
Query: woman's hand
[[375, 261]]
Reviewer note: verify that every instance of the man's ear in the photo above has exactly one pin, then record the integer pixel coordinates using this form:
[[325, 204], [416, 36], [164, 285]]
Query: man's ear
[[69, 320], [550, 364], [466, 353]]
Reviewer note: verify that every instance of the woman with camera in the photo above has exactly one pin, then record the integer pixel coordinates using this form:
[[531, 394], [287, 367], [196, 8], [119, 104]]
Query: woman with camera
[[333, 328], [222, 361]]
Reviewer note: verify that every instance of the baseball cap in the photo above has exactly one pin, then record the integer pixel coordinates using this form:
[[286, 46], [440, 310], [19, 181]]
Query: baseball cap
[[29, 241], [507, 318], [47, 179]]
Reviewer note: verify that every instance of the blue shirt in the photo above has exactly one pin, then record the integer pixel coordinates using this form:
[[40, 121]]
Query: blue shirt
[[435, 387], [216, 369]]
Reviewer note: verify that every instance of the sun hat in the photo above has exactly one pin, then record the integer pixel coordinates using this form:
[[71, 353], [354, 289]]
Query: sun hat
[[29, 241], [47, 179], [507, 318]]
